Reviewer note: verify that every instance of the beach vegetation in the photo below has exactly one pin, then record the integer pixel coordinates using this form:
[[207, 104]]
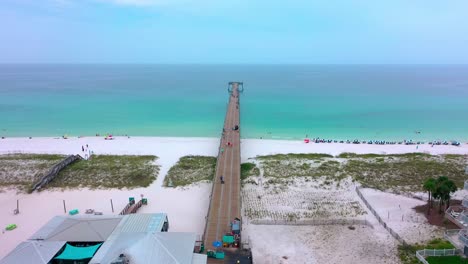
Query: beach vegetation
[[108, 171], [347, 155], [191, 169], [308, 156], [277, 202], [249, 169], [22, 170], [392, 172]]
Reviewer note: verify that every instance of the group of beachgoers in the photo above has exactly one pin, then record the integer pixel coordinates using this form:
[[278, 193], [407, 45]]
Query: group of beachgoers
[[229, 143], [86, 151], [382, 142]]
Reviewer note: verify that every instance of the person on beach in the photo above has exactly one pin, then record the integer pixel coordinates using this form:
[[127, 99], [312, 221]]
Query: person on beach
[[82, 148]]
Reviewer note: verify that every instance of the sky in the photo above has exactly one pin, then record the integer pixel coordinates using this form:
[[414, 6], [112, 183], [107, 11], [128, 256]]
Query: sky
[[239, 31]]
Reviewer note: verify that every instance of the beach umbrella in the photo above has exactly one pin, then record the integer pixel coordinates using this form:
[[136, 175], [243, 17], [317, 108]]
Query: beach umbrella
[[217, 244]]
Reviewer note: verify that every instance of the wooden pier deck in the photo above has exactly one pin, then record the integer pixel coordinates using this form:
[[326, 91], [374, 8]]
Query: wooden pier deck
[[225, 202]]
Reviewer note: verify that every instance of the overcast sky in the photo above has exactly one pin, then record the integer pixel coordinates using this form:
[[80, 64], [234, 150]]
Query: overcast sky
[[236, 31]]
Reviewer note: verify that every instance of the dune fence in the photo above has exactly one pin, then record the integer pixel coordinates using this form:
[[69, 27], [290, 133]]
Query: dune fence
[[312, 222], [381, 221]]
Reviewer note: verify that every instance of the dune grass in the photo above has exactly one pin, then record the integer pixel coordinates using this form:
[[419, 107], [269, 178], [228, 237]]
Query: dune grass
[[249, 169], [108, 171], [397, 172], [191, 169], [23, 170], [308, 156]]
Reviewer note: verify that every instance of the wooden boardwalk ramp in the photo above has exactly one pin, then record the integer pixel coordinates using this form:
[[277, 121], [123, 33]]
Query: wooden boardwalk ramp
[[225, 204]]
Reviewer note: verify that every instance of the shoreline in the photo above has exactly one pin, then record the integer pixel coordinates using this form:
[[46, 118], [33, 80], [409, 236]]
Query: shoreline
[[249, 147], [416, 138]]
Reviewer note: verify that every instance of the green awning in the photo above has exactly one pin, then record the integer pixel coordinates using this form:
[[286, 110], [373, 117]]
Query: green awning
[[76, 253]]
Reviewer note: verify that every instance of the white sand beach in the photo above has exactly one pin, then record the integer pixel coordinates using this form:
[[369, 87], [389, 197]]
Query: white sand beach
[[397, 211], [272, 244], [186, 207]]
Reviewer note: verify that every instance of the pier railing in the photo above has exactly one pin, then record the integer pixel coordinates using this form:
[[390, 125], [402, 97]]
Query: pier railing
[[215, 176]]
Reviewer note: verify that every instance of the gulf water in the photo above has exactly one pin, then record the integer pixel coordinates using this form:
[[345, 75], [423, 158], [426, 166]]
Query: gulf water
[[388, 102]]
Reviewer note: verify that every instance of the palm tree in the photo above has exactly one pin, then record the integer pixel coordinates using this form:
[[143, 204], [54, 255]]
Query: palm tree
[[450, 188], [429, 185], [443, 189]]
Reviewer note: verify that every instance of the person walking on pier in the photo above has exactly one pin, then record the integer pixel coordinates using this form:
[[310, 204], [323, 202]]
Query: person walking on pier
[[222, 179]]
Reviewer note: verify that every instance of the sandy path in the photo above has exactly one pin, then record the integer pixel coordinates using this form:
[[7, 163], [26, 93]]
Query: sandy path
[[321, 245]]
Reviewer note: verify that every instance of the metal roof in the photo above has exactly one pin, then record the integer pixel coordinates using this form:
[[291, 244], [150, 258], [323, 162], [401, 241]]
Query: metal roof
[[137, 236], [160, 247], [199, 258], [78, 228], [134, 223], [33, 252]]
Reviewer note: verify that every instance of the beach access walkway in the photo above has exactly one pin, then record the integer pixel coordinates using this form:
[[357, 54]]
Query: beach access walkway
[[225, 204]]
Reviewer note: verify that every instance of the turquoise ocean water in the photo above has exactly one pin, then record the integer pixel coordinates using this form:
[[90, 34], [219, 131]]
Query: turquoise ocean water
[[279, 101]]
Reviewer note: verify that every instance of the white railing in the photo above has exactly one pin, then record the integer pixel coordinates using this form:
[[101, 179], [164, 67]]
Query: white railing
[[458, 215], [463, 236], [465, 200], [464, 217], [421, 254], [452, 235]]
